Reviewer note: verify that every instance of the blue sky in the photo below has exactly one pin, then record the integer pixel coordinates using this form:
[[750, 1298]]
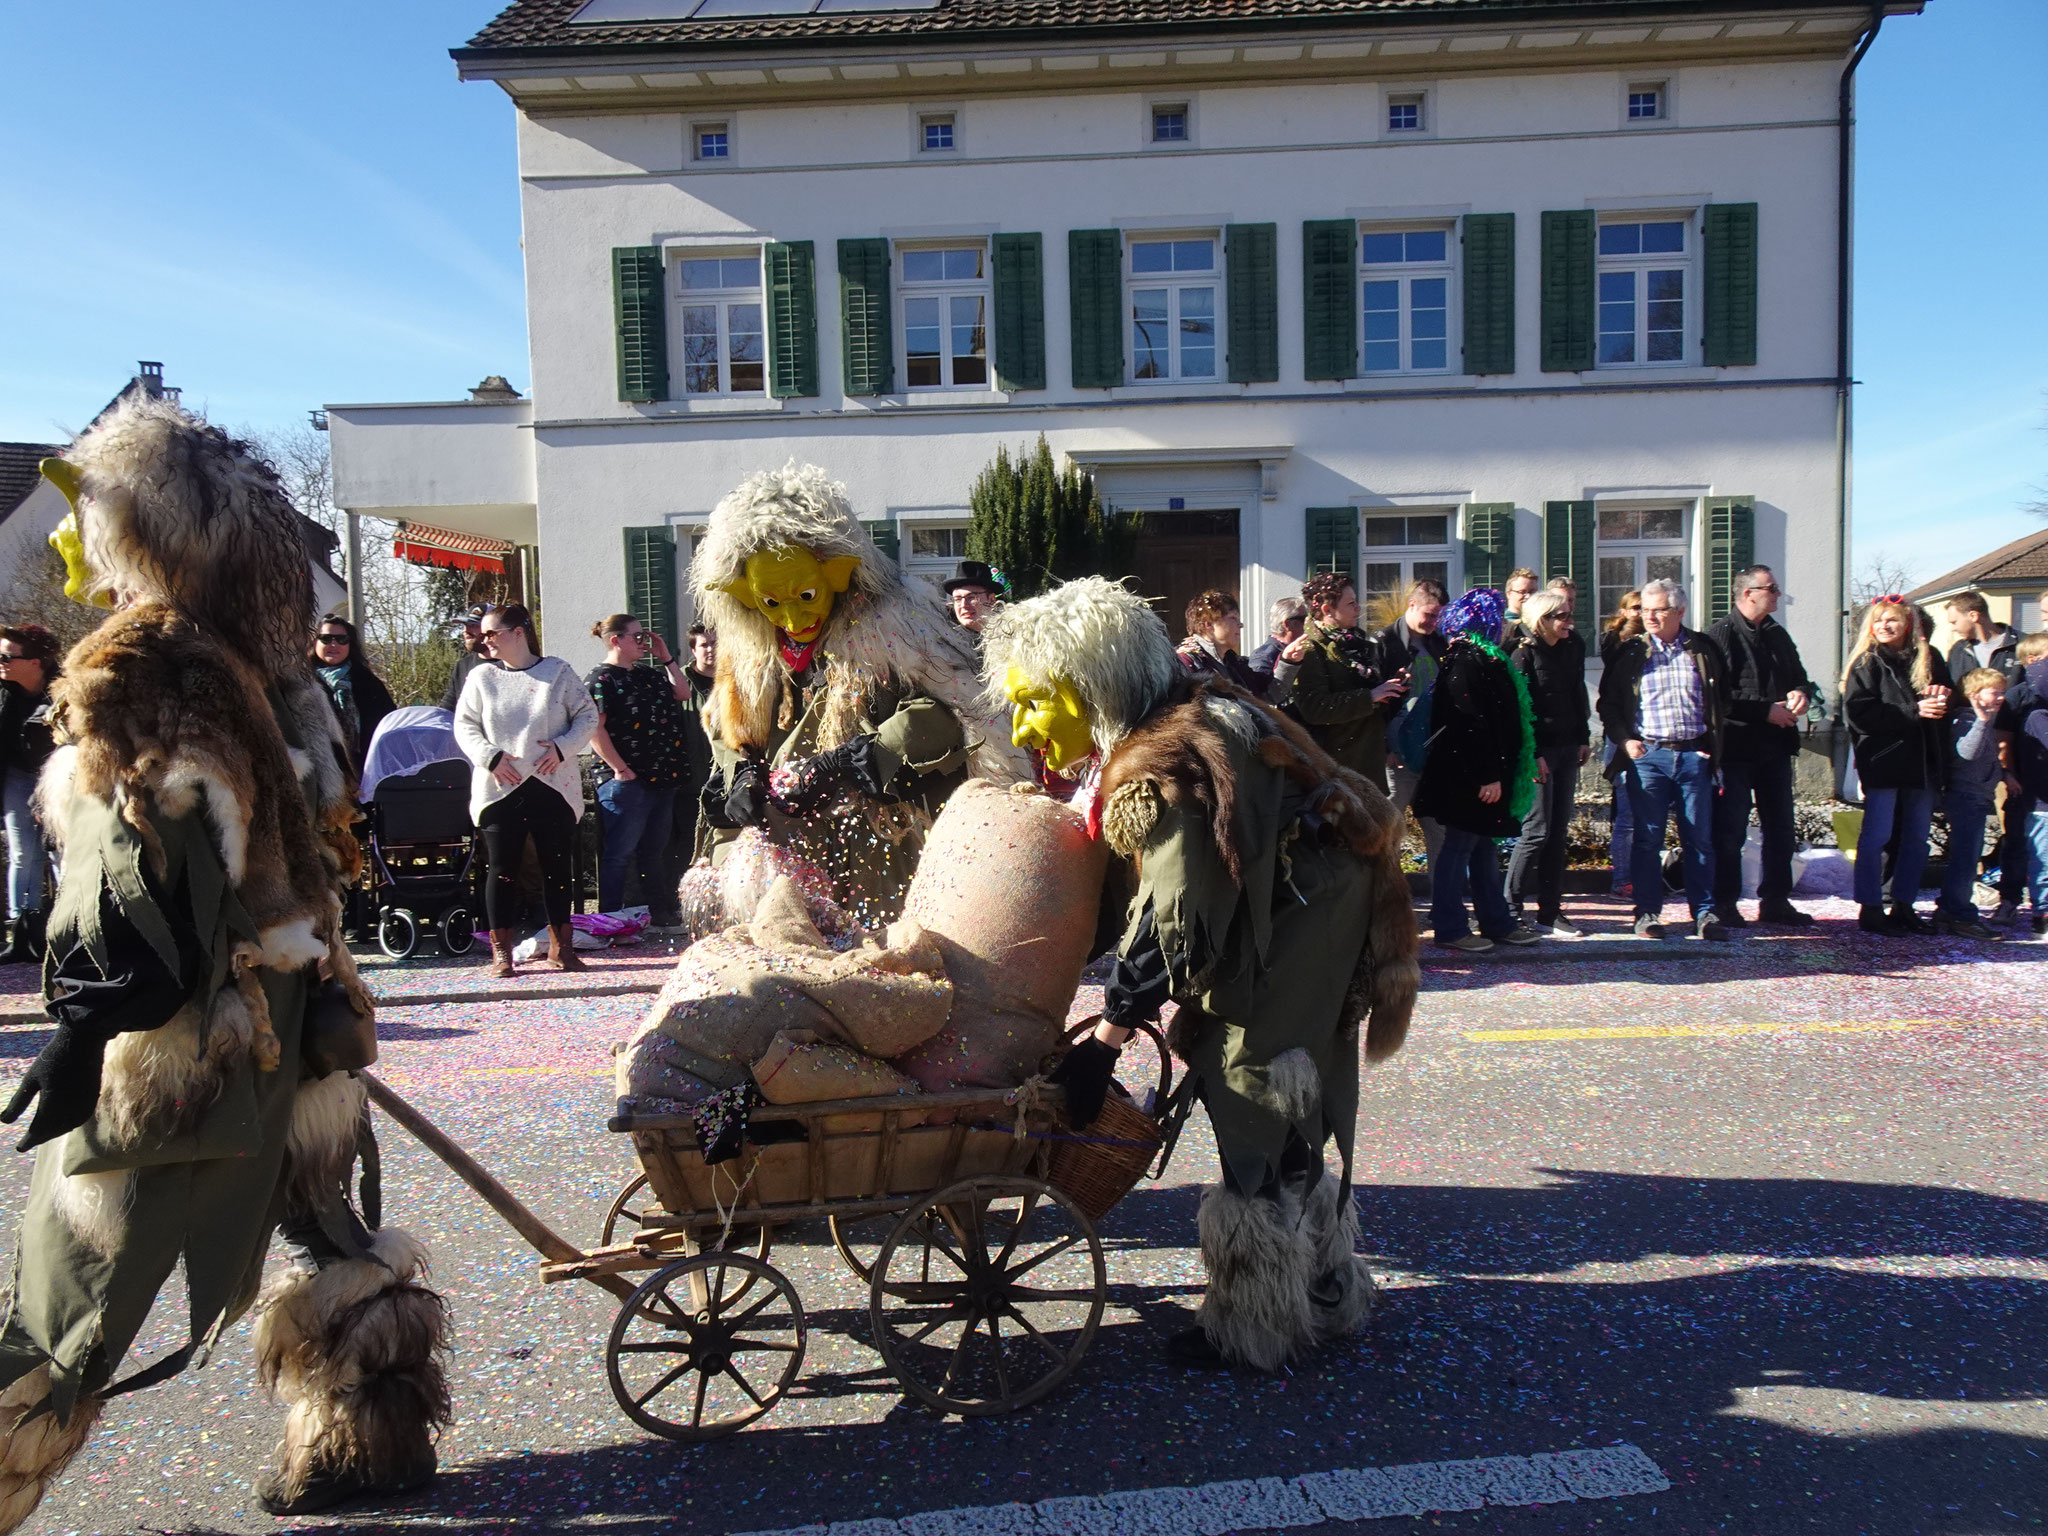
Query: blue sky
[[290, 203]]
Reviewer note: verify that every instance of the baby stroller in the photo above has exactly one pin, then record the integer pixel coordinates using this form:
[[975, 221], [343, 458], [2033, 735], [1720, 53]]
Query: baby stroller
[[422, 843]]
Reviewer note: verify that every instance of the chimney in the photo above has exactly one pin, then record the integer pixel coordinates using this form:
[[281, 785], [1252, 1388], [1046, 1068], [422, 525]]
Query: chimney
[[151, 377], [495, 390]]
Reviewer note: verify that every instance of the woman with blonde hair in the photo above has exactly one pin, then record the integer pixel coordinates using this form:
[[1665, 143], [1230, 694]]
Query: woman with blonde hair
[[1895, 698]]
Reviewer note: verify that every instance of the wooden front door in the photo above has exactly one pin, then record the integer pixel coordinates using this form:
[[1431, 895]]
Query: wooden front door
[[1181, 555]]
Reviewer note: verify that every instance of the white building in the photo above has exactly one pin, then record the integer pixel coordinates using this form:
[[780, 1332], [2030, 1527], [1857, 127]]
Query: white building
[[1387, 285]]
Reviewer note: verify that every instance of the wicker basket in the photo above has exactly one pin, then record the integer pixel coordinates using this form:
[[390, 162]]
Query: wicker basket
[[1097, 1167]]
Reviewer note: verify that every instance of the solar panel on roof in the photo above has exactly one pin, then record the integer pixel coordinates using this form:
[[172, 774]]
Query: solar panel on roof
[[615, 12]]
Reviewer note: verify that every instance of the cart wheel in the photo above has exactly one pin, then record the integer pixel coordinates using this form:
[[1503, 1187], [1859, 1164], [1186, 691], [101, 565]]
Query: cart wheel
[[458, 931], [859, 1239], [398, 933], [683, 1345], [987, 1295], [627, 1206]]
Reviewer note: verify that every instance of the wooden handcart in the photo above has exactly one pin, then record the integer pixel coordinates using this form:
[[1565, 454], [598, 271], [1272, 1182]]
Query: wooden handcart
[[969, 1216]]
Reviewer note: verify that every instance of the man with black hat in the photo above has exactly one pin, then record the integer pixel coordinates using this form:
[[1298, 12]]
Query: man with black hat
[[975, 594], [472, 655]]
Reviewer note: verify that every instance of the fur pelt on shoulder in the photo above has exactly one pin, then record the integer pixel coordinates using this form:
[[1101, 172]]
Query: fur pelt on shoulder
[[884, 630], [1179, 755]]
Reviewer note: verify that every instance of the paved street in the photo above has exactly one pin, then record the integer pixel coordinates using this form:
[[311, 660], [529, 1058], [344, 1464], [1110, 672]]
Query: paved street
[[1772, 1214]]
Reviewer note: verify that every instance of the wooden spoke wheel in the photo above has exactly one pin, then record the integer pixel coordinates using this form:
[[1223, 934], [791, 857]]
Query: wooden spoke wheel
[[859, 1239], [626, 1206], [693, 1356], [987, 1294]]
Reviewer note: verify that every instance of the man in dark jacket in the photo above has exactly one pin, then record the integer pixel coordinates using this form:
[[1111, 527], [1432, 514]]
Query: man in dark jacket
[[1981, 643], [1413, 645], [1661, 699], [1768, 695], [1338, 689], [1285, 621], [472, 655]]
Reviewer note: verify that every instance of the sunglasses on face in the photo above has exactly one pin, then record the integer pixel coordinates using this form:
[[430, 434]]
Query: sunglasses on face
[[1772, 591], [333, 639]]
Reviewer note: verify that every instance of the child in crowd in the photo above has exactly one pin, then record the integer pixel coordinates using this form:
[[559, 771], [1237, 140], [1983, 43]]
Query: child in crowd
[[1972, 787], [2027, 716]]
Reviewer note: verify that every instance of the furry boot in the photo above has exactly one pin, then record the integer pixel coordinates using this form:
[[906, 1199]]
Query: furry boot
[[34, 1455], [562, 949], [501, 952], [1342, 1293], [1261, 1263], [355, 1348]]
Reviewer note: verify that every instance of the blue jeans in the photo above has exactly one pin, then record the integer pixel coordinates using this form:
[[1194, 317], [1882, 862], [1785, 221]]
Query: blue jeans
[[1621, 835], [24, 845], [1966, 818], [2037, 859], [1660, 783], [1467, 858], [635, 822], [1912, 812]]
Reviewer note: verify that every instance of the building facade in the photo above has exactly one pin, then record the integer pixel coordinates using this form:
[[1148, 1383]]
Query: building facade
[[1384, 287]]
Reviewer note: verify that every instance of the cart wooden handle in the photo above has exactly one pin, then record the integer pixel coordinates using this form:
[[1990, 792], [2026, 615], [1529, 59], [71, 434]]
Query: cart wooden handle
[[549, 1243]]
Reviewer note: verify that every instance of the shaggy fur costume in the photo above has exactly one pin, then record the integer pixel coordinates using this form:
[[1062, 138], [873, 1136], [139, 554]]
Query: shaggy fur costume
[[1099, 637], [882, 628], [34, 1455], [1284, 1274]]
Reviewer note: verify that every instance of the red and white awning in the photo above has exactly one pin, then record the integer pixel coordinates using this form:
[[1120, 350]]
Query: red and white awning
[[425, 545]]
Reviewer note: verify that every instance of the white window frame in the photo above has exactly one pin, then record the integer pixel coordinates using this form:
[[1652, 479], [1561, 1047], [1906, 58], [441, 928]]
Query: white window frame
[[933, 568], [1174, 283], [1406, 556], [720, 299], [920, 116], [1663, 113], [721, 125], [1154, 105], [945, 290], [1418, 97], [1404, 272], [1640, 551], [1686, 262]]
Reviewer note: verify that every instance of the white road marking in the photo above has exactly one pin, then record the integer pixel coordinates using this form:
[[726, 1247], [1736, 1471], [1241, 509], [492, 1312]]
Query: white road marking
[[1268, 1503]]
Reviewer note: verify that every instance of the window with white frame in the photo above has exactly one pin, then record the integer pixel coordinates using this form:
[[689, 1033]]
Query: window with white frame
[[1169, 122], [1644, 275], [711, 141], [935, 132], [1405, 112], [719, 310], [1402, 548], [945, 317], [1633, 545], [1405, 314], [1645, 101], [935, 550], [1173, 307]]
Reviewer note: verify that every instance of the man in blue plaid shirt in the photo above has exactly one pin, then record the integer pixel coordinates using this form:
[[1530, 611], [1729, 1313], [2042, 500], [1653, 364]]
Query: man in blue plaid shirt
[[1661, 698]]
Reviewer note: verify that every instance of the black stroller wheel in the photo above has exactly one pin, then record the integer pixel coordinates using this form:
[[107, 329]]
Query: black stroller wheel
[[458, 931], [398, 933]]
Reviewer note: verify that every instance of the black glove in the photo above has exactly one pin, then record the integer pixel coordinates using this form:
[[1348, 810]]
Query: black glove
[[66, 1075], [739, 800], [1085, 1072], [799, 786]]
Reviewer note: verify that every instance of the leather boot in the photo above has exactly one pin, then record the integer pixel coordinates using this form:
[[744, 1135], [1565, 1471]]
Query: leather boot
[[562, 949], [24, 940], [501, 951]]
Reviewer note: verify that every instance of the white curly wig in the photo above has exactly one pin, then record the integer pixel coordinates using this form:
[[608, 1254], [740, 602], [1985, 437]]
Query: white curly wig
[[174, 510], [1098, 636], [883, 628]]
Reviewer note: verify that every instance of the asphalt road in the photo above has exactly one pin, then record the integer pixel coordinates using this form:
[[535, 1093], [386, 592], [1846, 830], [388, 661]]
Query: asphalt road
[[1771, 1213]]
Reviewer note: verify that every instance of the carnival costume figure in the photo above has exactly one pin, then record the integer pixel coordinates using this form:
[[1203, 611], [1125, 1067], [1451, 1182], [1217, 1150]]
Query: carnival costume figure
[[196, 1095], [844, 707], [1269, 905]]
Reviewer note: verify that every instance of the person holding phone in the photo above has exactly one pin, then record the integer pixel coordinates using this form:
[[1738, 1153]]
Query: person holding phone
[[1339, 688], [1895, 694], [521, 722]]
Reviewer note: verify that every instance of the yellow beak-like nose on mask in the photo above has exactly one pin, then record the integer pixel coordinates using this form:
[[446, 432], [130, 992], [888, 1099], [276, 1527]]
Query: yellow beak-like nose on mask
[[79, 585]]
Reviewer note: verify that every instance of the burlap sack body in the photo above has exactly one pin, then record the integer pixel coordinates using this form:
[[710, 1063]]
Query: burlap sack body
[[799, 1068], [730, 994], [1008, 886]]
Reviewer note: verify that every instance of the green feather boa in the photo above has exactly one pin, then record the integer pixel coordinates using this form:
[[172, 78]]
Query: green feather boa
[[1521, 791]]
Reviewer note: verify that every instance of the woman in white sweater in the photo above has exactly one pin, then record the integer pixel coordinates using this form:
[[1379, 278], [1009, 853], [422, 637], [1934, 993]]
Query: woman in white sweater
[[522, 723]]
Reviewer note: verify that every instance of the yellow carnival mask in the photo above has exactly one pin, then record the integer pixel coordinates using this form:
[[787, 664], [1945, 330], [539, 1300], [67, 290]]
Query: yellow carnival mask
[[1048, 718], [793, 589], [65, 539]]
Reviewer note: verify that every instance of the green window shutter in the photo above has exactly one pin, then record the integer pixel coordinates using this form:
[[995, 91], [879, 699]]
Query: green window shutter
[[1568, 547], [1095, 304], [1568, 332], [1730, 324], [883, 531], [1329, 298], [1332, 541], [1731, 547], [792, 318], [1251, 267], [651, 581], [1489, 543], [864, 316], [641, 322], [1489, 293], [1019, 262]]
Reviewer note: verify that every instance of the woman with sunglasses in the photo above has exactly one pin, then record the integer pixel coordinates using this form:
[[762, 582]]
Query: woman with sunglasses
[[28, 665], [521, 722], [359, 696]]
